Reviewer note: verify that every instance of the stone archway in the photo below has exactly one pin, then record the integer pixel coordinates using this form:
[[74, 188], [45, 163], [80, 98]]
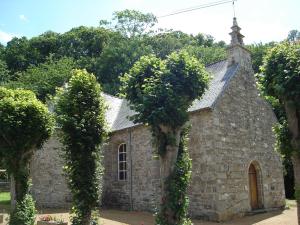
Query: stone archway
[[255, 186]]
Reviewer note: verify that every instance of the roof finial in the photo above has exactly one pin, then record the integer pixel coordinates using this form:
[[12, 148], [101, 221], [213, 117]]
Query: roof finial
[[233, 7], [236, 36], [236, 51]]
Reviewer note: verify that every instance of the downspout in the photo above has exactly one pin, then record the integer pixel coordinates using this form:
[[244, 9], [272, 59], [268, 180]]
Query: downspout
[[131, 184]]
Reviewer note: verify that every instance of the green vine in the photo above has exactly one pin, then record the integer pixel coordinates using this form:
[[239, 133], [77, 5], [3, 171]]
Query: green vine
[[297, 193], [161, 91], [177, 202], [81, 113]]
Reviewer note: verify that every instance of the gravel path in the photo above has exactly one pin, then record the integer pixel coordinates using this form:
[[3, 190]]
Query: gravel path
[[116, 217]]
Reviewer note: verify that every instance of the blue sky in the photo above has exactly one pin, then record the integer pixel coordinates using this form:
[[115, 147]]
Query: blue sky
[[261, 20]]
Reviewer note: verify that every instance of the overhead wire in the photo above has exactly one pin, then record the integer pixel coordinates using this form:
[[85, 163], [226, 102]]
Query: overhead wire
[[193, 8]]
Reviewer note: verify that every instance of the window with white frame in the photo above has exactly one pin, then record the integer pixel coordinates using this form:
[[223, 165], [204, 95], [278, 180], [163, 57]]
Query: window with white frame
[[122, 164]]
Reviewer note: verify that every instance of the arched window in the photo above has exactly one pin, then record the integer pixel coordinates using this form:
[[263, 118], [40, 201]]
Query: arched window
[[122, 164]]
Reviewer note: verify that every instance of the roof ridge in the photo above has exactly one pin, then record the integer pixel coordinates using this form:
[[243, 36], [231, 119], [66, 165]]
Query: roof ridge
[[112, 95], [210, 64]]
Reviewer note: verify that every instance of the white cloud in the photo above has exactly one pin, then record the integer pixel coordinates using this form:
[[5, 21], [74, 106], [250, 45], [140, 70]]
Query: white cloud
[[5, 37], [23, 17]]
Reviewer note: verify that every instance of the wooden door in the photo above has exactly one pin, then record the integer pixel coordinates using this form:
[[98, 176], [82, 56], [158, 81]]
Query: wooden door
[[253, 187]]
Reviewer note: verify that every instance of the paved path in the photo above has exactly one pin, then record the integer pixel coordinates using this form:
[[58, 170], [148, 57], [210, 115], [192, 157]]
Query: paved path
[[116, 217], [286, 217]]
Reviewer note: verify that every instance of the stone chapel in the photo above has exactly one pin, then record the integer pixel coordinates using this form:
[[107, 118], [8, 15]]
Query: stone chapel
[[235, 167]]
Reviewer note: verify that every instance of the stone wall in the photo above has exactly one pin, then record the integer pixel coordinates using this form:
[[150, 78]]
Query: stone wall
[[139, 191], [243, 135], [49, 186], [224, 141]]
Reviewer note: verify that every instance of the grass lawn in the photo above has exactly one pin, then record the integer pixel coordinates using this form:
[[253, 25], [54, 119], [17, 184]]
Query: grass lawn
[[5, 201], [4, 198]]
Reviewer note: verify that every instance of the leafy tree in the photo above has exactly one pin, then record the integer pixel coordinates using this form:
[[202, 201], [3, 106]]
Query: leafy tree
[[165, 43], [83, 42], [2, 49], [205, 40], [80, 111], [281, 79], [294, 35], [25, 124], [45, 78], [45, 45], [17, 54], [24, 213], [161, 93], [131, 23], [258, 51], [118, 57], [4, 73], [207, 55]]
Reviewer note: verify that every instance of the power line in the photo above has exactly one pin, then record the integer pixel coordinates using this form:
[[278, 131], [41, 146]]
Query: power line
[[207, 5]]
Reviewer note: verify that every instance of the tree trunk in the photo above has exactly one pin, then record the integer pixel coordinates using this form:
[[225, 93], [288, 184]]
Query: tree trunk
[[86, 220], [296, 166], [167, 163], [21, 176], [293, 118]]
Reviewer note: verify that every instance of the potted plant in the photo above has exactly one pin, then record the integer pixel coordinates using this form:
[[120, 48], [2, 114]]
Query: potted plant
[[50, 220]]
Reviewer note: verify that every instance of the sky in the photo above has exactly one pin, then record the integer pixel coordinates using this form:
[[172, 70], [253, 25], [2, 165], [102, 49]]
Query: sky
[[260, 20]]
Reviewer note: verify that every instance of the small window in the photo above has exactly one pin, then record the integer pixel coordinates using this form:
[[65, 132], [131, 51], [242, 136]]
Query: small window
[[122, 165]]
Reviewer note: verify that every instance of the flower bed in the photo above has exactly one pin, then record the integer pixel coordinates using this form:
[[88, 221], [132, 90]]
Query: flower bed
[[49, 220]]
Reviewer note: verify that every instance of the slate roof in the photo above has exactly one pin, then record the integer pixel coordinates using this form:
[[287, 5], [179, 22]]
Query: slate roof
[[119, 110]]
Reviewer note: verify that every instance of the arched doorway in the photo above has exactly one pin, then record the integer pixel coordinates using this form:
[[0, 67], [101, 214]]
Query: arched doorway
[[255, 186]]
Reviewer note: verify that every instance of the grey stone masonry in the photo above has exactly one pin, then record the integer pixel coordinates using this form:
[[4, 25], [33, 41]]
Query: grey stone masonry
[[49, 185]]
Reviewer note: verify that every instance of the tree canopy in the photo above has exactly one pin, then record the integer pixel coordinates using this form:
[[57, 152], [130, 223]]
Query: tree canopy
[[280, 79], [25, 124]]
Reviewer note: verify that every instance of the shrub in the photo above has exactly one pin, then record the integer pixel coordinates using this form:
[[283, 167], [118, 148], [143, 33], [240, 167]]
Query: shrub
[[25, 212]]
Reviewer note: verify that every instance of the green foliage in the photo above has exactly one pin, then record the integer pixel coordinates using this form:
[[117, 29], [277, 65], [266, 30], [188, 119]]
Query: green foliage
[[258, 51], [281, 72], [207, 55], [297, 193], [83, 42], [24, 213], [45, 78], [177, 184], [107, 53], [80, 110], [22, 116], [131, 23], [4, 73], [167, 42], [283, 139], [294, 35], [17, 54], [162, 90], [118, 57]]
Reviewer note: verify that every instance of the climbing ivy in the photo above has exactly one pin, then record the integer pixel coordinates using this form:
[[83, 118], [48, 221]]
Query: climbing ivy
[[177, 185], [161, 91], [80, 110]]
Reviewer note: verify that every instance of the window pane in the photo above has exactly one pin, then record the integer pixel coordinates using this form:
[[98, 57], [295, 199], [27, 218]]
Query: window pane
[[121, 157], [122, 166], [123, 175], [122, 148]]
